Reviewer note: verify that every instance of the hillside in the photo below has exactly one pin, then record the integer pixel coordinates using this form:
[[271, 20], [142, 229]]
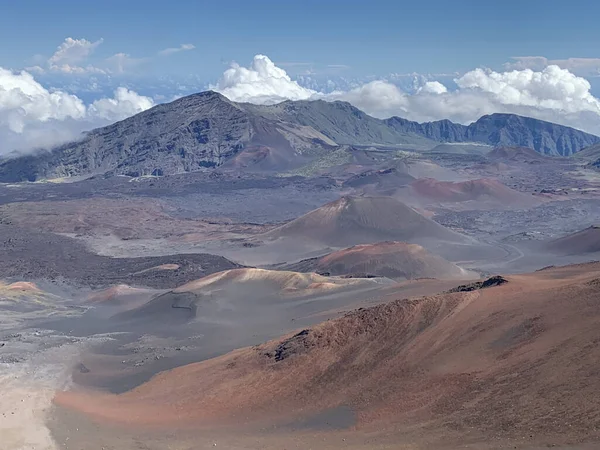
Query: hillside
[[207, 130], [360, 220], [194, 132], [508, 130], [515, 361], [397, 260], [516, 154], [581, 242], [480, 190], [341, 122], [591, 155]]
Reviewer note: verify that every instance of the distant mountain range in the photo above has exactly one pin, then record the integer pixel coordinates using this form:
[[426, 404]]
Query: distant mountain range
[[503, 130], [208, 130]]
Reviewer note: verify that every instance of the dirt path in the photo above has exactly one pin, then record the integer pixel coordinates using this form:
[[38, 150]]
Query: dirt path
[[22, 410], [28, 388]]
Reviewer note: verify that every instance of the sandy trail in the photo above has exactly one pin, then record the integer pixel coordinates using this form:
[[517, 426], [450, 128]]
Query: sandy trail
[[27, 391], [23, 414]]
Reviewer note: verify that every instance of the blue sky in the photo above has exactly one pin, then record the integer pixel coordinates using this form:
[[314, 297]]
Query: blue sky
[[371, 37], [67, 66]]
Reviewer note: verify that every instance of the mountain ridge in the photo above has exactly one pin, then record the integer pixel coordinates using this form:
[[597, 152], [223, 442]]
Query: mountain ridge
[[206, 129], [504, 130]]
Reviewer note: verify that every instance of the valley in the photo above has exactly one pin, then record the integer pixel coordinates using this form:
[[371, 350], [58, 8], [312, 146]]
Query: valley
[[303, 275]]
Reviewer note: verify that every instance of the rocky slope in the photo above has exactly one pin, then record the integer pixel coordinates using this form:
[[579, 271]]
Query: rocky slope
[[207, 130], [503, 130], [342, 123], [191, 133]]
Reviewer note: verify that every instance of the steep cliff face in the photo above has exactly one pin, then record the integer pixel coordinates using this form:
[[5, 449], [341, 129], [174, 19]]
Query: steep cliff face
[[441, 130], [545, 137], [504, 130]]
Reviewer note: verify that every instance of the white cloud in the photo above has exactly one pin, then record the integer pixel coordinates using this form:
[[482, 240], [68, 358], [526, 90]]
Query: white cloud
[[124, 104], [24, 100], [553, 88], [262, 82], [32, 116], [68, 69], [552, 94], [122, 62], [589, 67], [181, 48], [433, 87], [378, 98], [71, 58], [71, 53]]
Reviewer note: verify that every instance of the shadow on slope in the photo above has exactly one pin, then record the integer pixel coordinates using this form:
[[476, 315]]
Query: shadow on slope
[[508, 361], [581, 242], [397, 260]]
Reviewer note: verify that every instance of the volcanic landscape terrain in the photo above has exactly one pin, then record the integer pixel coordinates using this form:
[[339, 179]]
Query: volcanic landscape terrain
[[302, 275]]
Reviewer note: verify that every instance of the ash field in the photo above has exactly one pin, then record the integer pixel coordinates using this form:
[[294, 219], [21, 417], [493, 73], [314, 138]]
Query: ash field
[[313, 288]]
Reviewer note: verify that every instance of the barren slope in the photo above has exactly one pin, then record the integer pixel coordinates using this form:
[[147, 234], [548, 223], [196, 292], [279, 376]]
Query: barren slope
[[359, 220], [584, 241], [513, 361], [393, 259], [246, 285], [481, 190], [516, 154]]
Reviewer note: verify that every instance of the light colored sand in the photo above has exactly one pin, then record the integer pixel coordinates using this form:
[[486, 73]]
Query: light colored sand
[[22, 411], [26, 397]]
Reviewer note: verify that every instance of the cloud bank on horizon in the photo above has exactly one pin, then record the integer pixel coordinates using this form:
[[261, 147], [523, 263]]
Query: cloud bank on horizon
[[32, 116], [551, 93]]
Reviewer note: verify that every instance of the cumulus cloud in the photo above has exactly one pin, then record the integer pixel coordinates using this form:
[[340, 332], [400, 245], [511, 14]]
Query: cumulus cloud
[[122, 62], [262, 82], [172, 50], [552, 94], [32, 116], [580, 66], [22, 100], [433, 87], [71, 53], [553, 88], [125, 103]]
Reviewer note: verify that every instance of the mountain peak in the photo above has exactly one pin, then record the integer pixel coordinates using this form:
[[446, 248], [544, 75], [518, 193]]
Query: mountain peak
[[207, 129], [204, 97]]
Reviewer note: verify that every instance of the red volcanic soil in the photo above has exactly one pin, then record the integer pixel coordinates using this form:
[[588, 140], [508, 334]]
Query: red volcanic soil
[[123, 296], [584, 241], [360, 220], [515, 361], [389, 259], [483, 189]]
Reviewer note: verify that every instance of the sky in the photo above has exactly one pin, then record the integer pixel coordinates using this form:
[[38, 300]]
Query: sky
[[67, 66]]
